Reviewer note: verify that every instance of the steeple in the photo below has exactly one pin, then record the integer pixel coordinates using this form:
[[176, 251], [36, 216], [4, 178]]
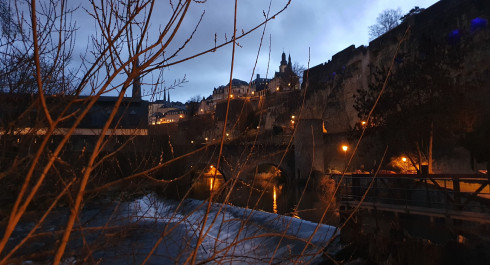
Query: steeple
[[283, 58], [284, 63], [290, 66], [136, 95], [164, 96], [168, 96]]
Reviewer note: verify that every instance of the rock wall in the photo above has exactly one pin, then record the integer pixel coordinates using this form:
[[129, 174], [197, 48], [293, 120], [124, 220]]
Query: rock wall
[[460, 27], [333, 84]]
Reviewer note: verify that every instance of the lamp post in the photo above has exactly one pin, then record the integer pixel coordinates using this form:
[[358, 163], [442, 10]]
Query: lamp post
[[404, 164], [345, 148]]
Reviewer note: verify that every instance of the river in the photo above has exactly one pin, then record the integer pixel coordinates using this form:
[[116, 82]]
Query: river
[[268, 192]]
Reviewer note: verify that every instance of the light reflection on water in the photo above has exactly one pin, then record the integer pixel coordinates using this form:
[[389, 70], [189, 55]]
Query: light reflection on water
[[274, 204], [267, 194]]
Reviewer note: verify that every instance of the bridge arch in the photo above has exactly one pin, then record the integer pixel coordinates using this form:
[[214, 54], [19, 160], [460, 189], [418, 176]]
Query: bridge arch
[[268, 168]]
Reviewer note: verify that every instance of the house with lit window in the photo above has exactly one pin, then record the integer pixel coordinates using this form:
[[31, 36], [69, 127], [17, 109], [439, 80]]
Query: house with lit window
[[239, 89], [164, 111]]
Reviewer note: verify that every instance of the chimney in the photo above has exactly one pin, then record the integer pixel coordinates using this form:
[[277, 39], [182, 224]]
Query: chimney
[[136, 95]]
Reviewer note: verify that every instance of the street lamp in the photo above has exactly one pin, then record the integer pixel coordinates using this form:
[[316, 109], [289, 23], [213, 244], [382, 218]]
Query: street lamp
[[345, 148], [405, 164]]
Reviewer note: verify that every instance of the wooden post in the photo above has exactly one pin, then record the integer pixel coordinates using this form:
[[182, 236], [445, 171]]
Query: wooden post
[[457, 193]]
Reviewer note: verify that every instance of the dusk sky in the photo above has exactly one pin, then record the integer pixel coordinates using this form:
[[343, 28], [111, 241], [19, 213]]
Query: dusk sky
[[323, 26]]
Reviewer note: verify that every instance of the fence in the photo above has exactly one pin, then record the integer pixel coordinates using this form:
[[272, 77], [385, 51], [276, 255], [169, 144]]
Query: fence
[[456, 196]]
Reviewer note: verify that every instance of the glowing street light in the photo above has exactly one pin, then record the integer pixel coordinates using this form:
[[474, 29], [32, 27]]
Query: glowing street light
[[345, 148], [404, 159]]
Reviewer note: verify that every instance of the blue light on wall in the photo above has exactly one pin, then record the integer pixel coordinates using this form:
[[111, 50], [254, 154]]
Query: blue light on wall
[[454, 36], [478, 23]]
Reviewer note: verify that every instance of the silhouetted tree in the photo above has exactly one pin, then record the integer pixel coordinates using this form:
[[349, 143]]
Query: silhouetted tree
[[298, 69], [386, 20], [39, 165], [192, 105]]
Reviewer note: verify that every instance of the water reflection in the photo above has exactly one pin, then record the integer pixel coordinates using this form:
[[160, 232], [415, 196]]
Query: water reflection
[[269, 192], [274, 203]]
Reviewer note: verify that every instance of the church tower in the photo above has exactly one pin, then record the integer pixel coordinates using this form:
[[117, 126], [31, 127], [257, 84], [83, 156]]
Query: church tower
[[284, 63]]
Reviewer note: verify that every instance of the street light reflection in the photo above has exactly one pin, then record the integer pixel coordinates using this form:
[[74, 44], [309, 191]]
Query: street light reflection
[[274, 200]]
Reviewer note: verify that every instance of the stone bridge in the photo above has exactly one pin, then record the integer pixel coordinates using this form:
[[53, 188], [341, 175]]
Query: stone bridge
[[297, 158]]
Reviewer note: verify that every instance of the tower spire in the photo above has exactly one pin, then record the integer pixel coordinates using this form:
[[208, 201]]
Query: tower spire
[[284, 63]]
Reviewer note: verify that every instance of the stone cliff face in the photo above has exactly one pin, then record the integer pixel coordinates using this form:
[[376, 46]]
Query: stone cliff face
[[460, 26], [332, 86]]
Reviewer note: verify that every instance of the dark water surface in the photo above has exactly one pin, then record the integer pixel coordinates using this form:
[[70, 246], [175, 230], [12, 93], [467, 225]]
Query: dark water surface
[[268, 193]]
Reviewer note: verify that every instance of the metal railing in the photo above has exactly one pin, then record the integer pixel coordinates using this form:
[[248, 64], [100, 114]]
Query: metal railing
[[462, 196]]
